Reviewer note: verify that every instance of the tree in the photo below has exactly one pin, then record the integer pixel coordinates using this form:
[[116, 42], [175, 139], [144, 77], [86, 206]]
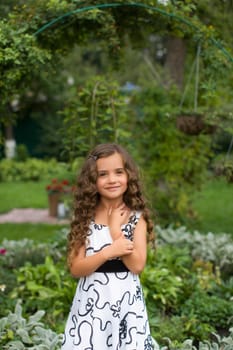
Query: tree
[[24, 43]]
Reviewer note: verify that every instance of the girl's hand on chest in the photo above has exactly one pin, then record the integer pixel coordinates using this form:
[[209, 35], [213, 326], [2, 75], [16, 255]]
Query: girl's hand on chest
[[117, 217]]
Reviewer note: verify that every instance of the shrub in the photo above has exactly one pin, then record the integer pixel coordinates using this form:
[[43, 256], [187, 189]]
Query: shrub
[[220, 343], [209, 309], [164, 277], [19, 333], [17, 253], [179, 288], [31, 169], [179, 285], [48, 286], [217, 249]]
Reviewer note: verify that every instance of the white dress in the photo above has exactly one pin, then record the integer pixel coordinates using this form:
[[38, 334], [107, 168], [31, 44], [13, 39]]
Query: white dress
[[108, 309]]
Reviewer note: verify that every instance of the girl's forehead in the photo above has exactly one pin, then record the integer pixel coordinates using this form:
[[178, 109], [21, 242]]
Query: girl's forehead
[[113, 161]]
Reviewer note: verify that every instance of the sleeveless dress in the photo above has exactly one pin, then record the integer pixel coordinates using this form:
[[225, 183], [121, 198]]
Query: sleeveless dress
[[108, 309]]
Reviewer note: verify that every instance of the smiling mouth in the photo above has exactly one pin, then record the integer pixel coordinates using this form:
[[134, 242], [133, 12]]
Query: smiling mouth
[[112, 188]]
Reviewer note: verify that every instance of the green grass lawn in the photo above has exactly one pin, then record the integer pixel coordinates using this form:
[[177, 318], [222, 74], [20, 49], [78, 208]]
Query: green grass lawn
[[37, 232], [214, 204], [22, 195], [25, 195]]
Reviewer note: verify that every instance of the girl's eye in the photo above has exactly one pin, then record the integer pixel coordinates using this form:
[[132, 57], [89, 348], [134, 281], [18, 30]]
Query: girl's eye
[[102, 174]]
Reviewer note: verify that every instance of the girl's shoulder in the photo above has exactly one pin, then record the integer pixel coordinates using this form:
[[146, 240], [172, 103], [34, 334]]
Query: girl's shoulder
[[134, 217], [129, 228]]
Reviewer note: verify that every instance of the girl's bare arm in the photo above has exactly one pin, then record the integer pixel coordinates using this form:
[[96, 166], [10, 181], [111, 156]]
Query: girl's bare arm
[[137, 259], [83, 265]]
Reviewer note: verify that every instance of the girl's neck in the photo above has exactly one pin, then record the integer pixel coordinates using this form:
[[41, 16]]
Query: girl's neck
[[106, 204], [103, 209]]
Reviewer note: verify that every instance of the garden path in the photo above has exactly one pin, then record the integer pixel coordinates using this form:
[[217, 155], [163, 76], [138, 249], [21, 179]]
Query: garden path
[[30, 215]]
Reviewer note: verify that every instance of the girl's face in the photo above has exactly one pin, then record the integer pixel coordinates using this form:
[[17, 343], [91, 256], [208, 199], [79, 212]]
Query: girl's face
[[112, 178]]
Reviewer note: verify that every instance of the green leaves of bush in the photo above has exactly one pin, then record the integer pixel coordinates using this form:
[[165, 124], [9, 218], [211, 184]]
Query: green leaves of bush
[[30, 170], [46, 286], [187, 297], [19, 333], [186, 283]]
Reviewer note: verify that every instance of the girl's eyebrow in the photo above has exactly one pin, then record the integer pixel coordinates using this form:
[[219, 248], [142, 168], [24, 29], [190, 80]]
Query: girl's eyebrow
[[104, 170]]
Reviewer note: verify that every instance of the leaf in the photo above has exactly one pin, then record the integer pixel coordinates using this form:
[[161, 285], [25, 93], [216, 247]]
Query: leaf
[[18, 309], [36, 317], [15, 345], [24, 335]]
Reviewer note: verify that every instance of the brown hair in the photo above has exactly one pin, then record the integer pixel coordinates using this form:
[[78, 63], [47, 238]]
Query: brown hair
[[86, 196]]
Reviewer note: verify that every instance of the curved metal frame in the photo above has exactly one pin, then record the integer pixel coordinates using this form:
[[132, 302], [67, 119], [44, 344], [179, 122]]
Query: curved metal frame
[[148, 7]]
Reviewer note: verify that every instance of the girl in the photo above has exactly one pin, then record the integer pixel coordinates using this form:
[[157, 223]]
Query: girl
[[107, 251]]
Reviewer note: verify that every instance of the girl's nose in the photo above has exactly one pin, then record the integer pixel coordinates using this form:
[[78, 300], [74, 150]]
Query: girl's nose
[[111, 178]]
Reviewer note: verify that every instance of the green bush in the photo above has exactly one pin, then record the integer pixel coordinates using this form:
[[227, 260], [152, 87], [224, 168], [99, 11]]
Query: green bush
[[186, 296], [32, 169], [46, 286], [174, 164], [19, 333], [174, 282], [209, 309], [216, 248], [19, 252], [219, 343], [164, 277]]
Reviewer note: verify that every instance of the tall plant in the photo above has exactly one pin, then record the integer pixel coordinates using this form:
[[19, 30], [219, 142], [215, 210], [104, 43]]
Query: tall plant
[[96, 113], [175, 164]]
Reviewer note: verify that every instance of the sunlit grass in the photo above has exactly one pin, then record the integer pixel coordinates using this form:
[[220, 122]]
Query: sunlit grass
[[214, 205], [37, 232], [22, 195]]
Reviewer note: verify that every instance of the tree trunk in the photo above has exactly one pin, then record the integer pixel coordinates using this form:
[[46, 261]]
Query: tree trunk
[[175, 61], [10, 143]]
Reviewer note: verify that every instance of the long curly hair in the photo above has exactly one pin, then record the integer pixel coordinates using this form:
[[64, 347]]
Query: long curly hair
[[86, 197]]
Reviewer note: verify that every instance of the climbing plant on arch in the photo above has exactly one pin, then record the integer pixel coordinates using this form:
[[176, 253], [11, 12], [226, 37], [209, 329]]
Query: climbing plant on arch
[[41, 32]]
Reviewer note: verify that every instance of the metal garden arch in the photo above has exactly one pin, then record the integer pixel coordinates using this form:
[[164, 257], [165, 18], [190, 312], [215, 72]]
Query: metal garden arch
[[132, 4]]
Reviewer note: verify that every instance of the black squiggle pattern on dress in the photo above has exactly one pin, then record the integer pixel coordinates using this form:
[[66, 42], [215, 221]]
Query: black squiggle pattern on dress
[[108, 310]]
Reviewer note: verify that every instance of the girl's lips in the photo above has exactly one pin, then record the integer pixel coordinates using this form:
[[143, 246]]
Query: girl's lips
[[112, 188]]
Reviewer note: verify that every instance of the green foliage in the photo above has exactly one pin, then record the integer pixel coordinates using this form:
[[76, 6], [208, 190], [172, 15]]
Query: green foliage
[[228, 171], [164, 278], [173, 164], [96, 113], [208, 309], [185, 288], [219, 343], [19, 52], [181, 161], [31, 170], [217, 249], [22, 152], [19, 333], [28, 43], [186, 296], [47, 286], [7, 283], [19, 252]]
